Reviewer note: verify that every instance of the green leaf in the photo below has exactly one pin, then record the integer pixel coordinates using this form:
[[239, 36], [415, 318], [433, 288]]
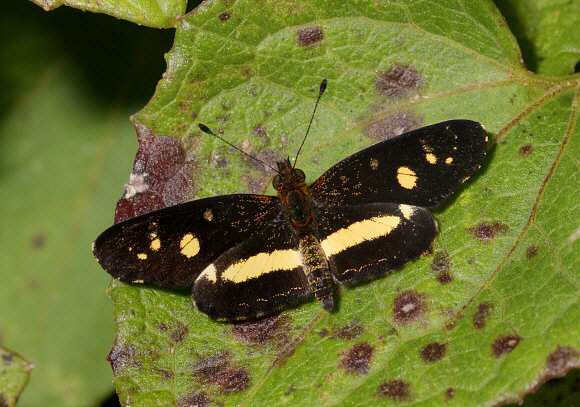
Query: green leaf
[[159, 14], [66, 149], [14, 374], [494, 312], [548, 33]]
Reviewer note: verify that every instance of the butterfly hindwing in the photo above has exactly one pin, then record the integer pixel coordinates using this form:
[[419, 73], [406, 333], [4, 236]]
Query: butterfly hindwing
[[363, 242], [422, 167], [257, 277], [170, 247]]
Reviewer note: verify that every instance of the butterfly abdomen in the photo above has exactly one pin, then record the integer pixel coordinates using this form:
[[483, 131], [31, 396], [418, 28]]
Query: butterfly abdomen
[[316, 269]]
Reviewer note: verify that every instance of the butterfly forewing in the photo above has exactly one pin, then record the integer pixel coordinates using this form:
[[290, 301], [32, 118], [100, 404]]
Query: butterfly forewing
[[422, 167], [170, 247], [257, 277]]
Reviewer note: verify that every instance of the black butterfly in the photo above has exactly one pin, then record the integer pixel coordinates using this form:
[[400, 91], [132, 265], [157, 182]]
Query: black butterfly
[[251, 255]]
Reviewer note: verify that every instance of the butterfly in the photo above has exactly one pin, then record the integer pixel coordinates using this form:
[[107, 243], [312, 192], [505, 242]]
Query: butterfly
[[252, 255]]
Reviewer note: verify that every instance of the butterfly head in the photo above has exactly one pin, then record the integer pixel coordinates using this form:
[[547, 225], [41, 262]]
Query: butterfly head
[[288, 177]]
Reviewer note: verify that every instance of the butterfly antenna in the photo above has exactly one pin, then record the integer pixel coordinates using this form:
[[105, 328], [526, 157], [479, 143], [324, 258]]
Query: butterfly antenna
[[206, 129], [320, 92]]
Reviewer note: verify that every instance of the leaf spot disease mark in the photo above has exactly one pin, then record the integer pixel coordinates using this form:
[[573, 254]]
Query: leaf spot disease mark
[[225, 16], [358, 358], [504, 345], [449, 393], [121, 357], [393, 126], [161, 176], [561, 361], [196, 399], [441, 267], [526, 150], [270, 330], [309, 35], [38, 241], [485, 232], [179, 334], [216, 369], [399, 81], [433, 352], [349, 331], [531, 252], [396, 390], [408, 306], [480, 316], [234, 380]]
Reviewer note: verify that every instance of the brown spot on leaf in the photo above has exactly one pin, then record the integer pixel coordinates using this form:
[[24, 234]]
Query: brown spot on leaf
[[261, 133], [179, 333], [393, 126], [121, 357], [161, 176], [433, 352], [195, 400], [450, 325], [504, 345], [38, 241], [561, 361], [486, 232], [480, 316], [358, 358], [441, 267], [526, 150], [396, 390], [399, 82], [209, 368], [225, 16], [531, 252], [449, 393], [7, 358], [234, 380], [349, 331], [408, 306], [309, 35], [323, 333], [162, 327], [266, 331]]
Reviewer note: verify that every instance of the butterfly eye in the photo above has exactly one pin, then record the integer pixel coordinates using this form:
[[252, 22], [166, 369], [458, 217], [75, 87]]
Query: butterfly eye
[[299, 174], [276, 182]]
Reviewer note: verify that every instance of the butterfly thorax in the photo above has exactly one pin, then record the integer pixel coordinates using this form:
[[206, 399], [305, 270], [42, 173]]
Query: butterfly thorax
[[293, 193]]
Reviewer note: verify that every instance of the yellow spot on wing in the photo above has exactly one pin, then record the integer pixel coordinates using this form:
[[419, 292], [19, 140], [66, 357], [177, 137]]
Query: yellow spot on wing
[[189, 245], [208, 215], [155, 244], [374, 163], [142, 256], [406, 177], [431, 159], [448, 160], [262, 263], [359, 232], [209, 273], [407, 211]]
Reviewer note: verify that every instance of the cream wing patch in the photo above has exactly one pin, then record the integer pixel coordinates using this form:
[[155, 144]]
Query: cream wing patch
[[260, 264], [189, 245], [406, 177], [359, 232]]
